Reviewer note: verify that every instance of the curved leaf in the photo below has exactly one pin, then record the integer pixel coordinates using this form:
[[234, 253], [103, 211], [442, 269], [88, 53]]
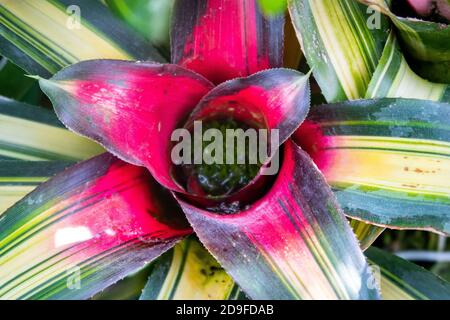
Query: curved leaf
[[428, 43], [294, 243], [223, 39], [338, 44], [34, 133], [394, 78], [189, 272], [403, 280], [273, 99], [125, 107], [44, 36], [388, 160], [84, 230]]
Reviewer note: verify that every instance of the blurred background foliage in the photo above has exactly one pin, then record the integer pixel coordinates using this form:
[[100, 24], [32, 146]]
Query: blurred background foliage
[[150, 18]]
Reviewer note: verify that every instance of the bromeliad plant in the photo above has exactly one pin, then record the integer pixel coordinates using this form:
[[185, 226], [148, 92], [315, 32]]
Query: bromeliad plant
[[282, 237]]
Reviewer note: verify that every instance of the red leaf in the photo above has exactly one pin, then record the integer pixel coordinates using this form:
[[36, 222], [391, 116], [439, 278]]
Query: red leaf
[[293, 243], [105, 216], [130, 108], [223, 39], [272, 99]]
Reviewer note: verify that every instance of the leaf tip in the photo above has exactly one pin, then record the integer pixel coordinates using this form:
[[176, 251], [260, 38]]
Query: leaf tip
[[42, 81], [33, 76]]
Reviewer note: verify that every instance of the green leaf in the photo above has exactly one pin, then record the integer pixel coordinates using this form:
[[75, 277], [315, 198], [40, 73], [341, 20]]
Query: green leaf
[[189, 272], [403, 280], [394, 78], [44, 36], [13, 83], [273, 7], [34, 133], [339, 45], [151, 18], [85, 229], [388, 160], [343, 52], [428, 43], [18, 178]]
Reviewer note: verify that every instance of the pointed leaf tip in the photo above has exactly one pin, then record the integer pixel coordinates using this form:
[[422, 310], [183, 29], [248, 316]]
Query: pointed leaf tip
[[123, 106], [32, 76]]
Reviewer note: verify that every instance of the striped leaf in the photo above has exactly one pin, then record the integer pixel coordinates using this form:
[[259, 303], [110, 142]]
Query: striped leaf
[[394, 78], [85, 229], [294, 243], [428, 43], [388, 160], [189, 272], [343, 45], [18, 178], [339, 45], [366, 233], [44, 36], [403, 280], [33, 133]]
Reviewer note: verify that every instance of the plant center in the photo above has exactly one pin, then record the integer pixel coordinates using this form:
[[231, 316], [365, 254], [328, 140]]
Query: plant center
[[226, 165]]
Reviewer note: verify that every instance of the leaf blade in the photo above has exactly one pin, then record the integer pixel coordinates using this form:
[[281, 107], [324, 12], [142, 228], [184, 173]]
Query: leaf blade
[[35, 134], [427, 43], [338, 44], [394, 78], [82, 99], [18, 178], [223, 40], [43, 37], [403, 280], [97, 221], [386, 159], [273, 248], [189, 272]]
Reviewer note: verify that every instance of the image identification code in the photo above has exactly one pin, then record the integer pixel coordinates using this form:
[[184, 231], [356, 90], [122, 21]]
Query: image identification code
[[226, 309]]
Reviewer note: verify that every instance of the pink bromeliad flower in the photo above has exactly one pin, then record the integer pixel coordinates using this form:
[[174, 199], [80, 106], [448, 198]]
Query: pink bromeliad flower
[[279, 237], [425, 8]]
